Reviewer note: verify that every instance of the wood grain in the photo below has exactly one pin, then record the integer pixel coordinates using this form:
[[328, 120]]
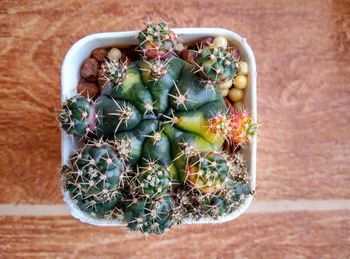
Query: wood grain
[[280, 235], [303, 60]]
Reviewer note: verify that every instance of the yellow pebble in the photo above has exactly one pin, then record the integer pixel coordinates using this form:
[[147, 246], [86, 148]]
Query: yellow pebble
[[240, 81], [220, 42], [235, 94], [224, 92], [243, 68], [114, 54], [226, 85]]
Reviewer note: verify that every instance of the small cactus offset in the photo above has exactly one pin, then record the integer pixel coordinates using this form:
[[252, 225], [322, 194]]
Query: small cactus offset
[[112, 73], [157, 40], [208, 171], [153, 180], [243, 127], [78, 116], [216, 64], [237, 127], [158, 143], [213, 206], [150, 216]]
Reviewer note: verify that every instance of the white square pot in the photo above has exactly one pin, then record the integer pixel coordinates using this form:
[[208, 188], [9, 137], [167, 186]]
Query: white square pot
[[82, 49]]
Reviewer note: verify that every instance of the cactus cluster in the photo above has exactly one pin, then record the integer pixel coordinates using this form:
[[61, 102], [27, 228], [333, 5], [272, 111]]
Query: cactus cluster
[[153, 142]]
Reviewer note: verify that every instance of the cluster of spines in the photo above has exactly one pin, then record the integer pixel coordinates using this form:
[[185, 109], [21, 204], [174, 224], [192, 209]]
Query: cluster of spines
[[124, 113], [113, 73], [156, 68], [123, 147]]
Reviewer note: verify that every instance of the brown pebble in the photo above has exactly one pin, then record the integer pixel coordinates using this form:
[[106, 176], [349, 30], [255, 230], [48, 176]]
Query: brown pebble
[[99, 54], [202, 43], [205, 42], [89, 69], [88, 89], [189, 55], [131, 52]]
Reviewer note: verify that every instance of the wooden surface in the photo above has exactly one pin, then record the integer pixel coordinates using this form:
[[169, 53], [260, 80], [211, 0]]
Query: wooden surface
[[302, 50], [293, 235]]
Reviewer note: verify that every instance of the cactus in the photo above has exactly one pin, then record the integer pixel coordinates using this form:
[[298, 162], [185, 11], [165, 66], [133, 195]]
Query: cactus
[[153, 140], [237, 127], [141, 108], [94, 178], [207, 171], [150, 216], [78, 116], [213, 206], [153, 180], [243, 127], [216, 64], [157, 40], [112, 73], [225, 201], [155, 69]]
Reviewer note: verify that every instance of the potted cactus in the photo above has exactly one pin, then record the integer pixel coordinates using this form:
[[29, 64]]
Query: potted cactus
[[158, 142]]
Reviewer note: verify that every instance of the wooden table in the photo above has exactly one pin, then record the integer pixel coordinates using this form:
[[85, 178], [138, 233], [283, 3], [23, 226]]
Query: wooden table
[[303, 172]]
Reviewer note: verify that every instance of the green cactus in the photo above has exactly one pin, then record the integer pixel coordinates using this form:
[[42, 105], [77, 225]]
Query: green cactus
[[153, 180], [140, 110], [208, 171], [213, 206], [112, 73], [94, 178], [157, 40], [216, 64], [78, 116], [226, 200], [150, 216]]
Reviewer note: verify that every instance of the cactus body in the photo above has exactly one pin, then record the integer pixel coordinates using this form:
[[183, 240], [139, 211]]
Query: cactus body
[[208, 172], [94, 178], [176, 99], [78, 116], [216, 64], [153, 180], [157, 40], [150, 216], [237, 127]]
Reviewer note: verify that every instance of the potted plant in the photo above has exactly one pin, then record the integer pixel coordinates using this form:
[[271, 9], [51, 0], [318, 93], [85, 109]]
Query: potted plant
[[158, 127]]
